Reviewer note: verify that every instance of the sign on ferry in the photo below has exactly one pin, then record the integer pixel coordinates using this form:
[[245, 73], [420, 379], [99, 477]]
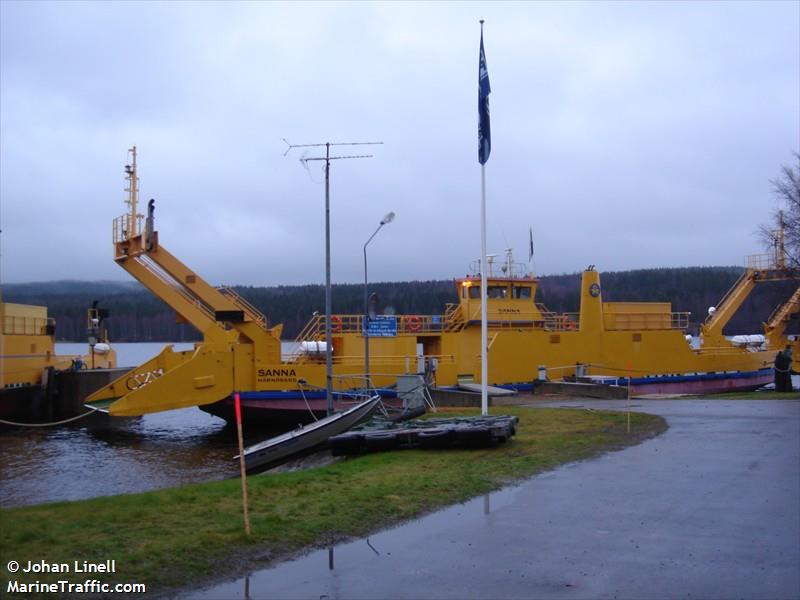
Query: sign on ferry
[[382, 326]]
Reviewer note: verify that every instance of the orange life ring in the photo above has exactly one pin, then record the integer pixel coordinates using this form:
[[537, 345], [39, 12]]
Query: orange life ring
[[413, 323], [336, 323], [567, 324]]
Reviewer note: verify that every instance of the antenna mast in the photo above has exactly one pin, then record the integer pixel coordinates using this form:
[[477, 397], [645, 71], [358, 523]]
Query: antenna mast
[[328, 158], [133, 192]]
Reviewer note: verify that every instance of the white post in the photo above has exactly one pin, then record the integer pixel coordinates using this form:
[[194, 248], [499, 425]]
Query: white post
[[484, 324]]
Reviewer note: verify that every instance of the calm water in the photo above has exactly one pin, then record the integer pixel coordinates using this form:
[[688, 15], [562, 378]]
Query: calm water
[[129, 455]]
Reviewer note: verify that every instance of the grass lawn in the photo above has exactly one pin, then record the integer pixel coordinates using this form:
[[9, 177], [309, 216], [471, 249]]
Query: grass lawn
[[173, 537]]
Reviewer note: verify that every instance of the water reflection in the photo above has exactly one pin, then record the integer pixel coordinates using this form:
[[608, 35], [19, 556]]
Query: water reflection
[[100, 456], [359, 560], [131, 455]]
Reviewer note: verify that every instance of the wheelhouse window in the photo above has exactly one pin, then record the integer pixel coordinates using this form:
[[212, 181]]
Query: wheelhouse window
[[521, 293], [497, 291], [475, 291]]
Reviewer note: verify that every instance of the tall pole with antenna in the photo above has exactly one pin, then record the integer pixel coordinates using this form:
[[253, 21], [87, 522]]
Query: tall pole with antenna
[[328, 330]]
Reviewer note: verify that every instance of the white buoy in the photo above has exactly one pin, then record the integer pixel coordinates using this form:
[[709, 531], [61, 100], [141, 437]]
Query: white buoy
[[101, 348], [711, 310]]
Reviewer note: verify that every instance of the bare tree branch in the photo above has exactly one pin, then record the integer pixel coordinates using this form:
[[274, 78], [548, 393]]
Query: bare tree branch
[[787, 190]]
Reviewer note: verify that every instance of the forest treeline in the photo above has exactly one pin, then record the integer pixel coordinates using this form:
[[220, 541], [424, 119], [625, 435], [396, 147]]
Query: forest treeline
[[138, 316]]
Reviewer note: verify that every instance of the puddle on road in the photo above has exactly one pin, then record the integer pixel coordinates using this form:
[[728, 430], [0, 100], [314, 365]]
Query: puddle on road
[[356, 559]]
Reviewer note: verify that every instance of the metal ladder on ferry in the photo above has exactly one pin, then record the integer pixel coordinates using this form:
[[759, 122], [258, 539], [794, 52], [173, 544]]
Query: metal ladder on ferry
[[454, 318], [249, 310], [785, 311]]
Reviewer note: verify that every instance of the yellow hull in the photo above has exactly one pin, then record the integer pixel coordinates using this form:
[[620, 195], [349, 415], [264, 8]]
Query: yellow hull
[[610, 339]]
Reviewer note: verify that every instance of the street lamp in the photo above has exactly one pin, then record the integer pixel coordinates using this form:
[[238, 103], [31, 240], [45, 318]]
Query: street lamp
[[365, 324]]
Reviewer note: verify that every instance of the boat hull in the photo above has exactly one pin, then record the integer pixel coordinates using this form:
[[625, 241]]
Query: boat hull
[[688, 384], [24, 404], [710, 383], [287, 408], [278, 449]]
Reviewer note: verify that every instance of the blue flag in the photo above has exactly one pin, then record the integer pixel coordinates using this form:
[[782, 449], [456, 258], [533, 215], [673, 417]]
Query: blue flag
[[484, 89], [530, 249]]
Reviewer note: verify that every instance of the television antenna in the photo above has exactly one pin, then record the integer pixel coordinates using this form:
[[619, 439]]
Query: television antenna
[[328, 158]]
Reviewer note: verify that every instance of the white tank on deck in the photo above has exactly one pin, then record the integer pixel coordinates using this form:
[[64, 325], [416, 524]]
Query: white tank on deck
[[313, 347], [755, 339]]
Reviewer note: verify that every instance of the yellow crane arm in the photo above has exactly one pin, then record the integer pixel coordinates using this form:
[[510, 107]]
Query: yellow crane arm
[[189, 308]]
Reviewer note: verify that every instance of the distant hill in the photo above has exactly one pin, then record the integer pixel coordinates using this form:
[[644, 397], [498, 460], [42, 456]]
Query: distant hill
[[138, 316]]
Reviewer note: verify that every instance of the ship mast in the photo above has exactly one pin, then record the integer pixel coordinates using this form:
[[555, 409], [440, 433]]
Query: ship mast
[[133, 193], [780, 251]]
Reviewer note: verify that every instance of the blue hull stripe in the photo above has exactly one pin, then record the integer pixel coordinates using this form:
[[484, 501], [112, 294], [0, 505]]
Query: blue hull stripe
[[520, 387], [310, 395], [526, 387]]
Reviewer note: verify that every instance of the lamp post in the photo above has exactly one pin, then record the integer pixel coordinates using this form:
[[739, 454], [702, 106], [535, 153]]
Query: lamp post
[[365, 324]]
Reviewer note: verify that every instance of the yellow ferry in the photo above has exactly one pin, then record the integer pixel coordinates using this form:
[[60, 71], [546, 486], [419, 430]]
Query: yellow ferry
[[240, 352], [28, 359]]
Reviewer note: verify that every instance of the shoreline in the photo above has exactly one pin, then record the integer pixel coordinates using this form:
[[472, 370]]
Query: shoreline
[[175, 537]]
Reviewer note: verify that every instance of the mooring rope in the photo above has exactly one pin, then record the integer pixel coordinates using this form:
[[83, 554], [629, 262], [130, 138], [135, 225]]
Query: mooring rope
[[302, 393], [54, 423]]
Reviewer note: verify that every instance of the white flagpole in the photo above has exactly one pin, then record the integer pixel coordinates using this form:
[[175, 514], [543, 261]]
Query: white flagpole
[[484, 148], [484, 324]]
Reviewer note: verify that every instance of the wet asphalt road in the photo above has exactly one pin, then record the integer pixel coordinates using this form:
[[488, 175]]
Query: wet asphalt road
[[709, 509]]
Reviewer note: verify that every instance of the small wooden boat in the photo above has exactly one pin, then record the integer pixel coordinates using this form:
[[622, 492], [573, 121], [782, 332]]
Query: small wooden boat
[[278, 449]]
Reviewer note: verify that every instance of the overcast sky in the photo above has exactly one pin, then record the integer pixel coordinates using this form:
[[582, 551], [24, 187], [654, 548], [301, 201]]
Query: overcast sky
[[638, 134]]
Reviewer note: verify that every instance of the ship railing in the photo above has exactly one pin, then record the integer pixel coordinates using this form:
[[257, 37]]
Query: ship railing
[[14, 325], [122, 229], [170, 281], [763, 262], [517, 320], [314, 331], [404, 325], [723, 350], [568, 321], [500, 269], [734, 289], [784, 311], [413, 324], [453, 316], [646, 321], [393, 364], [251, 311]]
